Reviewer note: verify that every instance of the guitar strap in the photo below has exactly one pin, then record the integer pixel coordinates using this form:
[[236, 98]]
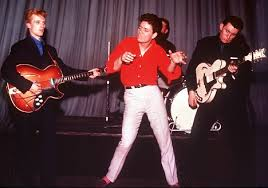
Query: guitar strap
[[53, 60]]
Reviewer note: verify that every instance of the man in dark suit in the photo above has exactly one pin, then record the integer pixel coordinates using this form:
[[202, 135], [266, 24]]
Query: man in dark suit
[[34, 52], [228, 107]]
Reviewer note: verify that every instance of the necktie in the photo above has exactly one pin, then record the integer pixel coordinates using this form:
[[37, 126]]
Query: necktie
[[40, 47]]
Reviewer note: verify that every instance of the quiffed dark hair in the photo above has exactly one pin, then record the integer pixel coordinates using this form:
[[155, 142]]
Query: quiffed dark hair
[[235, 21], [153, 20]]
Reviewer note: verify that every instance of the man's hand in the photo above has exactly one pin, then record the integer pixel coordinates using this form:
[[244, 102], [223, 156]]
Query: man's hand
[[95, 72], [233, 68], [128, 57], [178, 57], [192, 99], [36, 88]]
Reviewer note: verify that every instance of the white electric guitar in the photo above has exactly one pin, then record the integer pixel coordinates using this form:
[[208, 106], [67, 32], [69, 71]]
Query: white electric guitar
[[209, 77]]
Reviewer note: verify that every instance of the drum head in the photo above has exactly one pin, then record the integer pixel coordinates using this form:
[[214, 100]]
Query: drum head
[[182, 114]]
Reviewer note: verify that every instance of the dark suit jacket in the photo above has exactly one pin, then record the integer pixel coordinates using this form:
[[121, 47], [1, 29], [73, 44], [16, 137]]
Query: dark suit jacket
[[232, 101], [26, 52]]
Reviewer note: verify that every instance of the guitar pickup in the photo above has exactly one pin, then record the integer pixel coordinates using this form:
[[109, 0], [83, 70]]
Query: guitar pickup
[[234, 61], [234, 58]]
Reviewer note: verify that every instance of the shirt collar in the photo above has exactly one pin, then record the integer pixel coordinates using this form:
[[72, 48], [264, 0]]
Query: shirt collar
[[37, 41], [39, 44]]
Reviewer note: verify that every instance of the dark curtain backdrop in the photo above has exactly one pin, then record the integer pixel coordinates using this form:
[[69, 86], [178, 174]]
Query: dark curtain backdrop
[[85, 31]]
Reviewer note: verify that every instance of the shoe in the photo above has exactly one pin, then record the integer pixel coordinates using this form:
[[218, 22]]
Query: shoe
[[102, 183]]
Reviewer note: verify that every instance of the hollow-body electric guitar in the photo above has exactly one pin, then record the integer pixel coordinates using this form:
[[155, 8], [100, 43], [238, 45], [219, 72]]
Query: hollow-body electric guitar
[[49, 79], [209, 77]]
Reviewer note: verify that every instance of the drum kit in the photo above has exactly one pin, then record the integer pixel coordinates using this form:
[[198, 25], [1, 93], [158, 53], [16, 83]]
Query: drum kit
[[180, 114]]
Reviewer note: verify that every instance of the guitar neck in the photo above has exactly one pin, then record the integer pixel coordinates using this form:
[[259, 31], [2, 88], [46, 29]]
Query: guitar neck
[[73, 77], [254, 57], [225, 69]]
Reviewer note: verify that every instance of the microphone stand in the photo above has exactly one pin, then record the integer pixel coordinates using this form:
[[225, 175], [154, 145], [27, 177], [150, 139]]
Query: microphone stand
[[108, 89], [107, 114], [107, 100]]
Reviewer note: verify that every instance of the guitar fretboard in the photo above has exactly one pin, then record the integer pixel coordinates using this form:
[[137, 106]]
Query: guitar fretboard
[[225, 69], [74, 77], [252, 56]]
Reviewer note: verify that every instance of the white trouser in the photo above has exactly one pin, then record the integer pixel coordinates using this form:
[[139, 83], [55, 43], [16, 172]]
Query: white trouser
[[138, 101]]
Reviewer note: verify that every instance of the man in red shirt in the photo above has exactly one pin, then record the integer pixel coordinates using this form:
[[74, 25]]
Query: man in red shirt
[[138, 59]]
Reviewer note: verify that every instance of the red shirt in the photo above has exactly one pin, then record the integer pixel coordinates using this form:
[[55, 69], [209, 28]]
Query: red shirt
[[143, 70]]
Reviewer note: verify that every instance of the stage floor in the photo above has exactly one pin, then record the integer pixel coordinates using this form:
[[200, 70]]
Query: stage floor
[[86, 146]]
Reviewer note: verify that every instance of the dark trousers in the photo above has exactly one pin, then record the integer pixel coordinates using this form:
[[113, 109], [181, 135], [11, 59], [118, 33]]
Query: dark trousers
[[234, 144], [36, 132]]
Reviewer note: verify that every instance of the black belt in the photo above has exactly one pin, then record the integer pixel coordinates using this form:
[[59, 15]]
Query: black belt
[[136, 86]]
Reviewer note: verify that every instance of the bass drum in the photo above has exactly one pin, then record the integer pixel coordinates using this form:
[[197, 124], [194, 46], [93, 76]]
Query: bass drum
[[180, 114]]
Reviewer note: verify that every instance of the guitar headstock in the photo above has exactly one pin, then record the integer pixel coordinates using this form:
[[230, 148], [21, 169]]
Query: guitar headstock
[[256, 55]]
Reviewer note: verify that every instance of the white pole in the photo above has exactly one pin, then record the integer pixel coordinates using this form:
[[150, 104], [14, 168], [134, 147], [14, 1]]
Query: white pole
[[108, 89]]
